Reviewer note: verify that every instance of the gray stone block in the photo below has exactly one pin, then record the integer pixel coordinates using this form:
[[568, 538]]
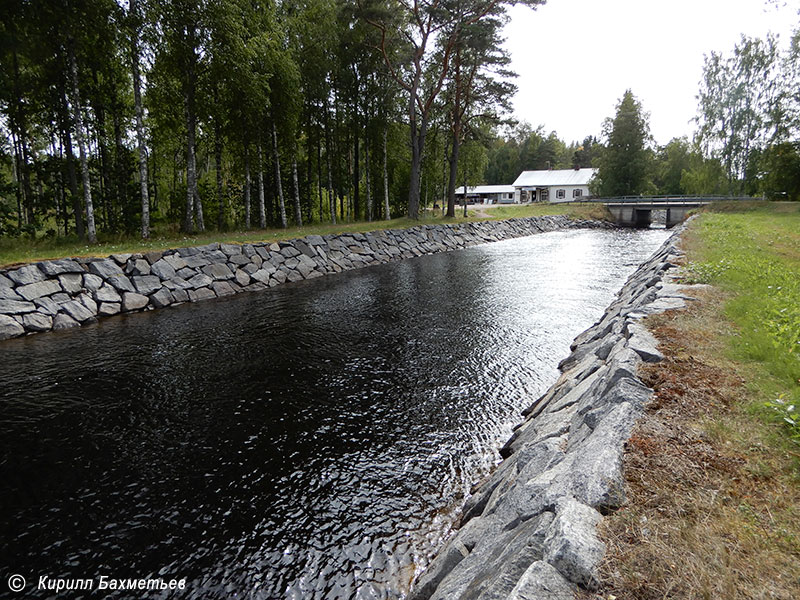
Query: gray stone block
[[121, 259], [107, 294], [108, 309], [37, 322], [199, 281], [133, 301], [222, 288], [112, 273], [78, 310], [52, 268], [201, 294], [230, 249], [218, 272], [146, 284], [16, 307], [8, 293], [162, 269], [176, 261], [572, 545], [26, 275], [242, 277], [643, 342], [92, 282], [72, 283], [64, 321], [9, 328], [138, 266], [39, 289], [163, 297]]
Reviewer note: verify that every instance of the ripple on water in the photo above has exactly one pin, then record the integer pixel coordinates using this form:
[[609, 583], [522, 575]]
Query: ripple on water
[[312, 441]]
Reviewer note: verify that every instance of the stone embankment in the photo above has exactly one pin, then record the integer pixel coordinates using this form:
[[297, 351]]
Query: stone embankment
[[60, 294], [529, 531]]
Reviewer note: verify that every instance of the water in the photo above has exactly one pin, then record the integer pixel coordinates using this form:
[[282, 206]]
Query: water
[[312, 441]]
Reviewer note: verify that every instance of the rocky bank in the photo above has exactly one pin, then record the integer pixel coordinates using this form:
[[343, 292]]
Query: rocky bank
[[60, 294], [529, 531]]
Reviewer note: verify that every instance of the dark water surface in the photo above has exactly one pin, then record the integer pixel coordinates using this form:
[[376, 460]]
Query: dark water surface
[[311, 441]]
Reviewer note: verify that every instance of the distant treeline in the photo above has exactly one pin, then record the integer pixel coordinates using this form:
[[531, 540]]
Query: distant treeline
[[191, 114]]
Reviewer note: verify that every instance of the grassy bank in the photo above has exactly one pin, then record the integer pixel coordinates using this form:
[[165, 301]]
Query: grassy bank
[[25, 250], [713, 469]]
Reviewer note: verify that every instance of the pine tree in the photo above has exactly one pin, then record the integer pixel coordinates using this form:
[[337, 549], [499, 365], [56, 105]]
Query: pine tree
[[623, 164]]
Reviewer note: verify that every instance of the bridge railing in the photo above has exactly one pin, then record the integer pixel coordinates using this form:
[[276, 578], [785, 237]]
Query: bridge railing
[[667, 199]]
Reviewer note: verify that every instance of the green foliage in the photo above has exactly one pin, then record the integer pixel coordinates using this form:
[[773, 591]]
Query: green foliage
[[624, 163], [778, 176], [741, 105], [788, 415]]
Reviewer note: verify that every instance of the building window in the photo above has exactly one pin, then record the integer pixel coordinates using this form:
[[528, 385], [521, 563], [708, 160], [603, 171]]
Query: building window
[[561, 194], [577, 193]]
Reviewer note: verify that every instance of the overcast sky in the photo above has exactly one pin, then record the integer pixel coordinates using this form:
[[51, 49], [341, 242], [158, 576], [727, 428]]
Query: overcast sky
[[575, 58]]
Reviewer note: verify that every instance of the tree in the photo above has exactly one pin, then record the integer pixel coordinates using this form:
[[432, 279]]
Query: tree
[[585, 153], [779, 172], [672, 161], [426, 34], [740, 106], [479, 87], [135, 18], [623, 164]]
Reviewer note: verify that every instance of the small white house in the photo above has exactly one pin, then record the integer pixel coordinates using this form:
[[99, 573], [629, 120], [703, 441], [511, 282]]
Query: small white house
[[487, 194], [564, 185]]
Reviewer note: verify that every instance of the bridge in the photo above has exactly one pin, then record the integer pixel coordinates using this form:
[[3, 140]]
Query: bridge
[[637, 211]]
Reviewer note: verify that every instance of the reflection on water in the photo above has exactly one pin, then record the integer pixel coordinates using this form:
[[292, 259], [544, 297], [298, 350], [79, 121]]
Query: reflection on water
[[311, 441]]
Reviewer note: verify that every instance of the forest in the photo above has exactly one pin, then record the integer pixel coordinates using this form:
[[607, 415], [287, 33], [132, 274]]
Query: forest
[[123, 118]]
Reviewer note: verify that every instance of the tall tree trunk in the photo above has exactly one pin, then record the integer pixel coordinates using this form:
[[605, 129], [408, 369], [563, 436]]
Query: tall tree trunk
[[139, 112], [331, 199], [72, 178], [246, 185], [319, 176], [105, 186], [309, 174], [119, 170], [81, 138], [356, 168], [387, 213], [366, 178], [417, 141], [198, 208], [298, 216], [189, 90], [262, 216], [19, 122], [278, 184], [451, 181], [16, 180], [191, 166], [154, 176], [218, 173]]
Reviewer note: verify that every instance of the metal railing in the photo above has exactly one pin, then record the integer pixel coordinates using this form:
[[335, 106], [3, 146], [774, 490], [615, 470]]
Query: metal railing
[[668, 199]]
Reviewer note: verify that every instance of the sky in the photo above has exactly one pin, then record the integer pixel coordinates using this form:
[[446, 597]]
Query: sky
[[576, 58]]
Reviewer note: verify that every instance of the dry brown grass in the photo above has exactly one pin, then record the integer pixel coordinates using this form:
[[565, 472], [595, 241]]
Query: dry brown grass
[[713, 493]]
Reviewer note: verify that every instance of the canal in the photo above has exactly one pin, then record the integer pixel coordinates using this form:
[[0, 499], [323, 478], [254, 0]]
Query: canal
[[312, 441]]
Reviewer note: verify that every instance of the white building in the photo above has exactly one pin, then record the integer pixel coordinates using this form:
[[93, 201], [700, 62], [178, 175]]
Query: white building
[[487, 194], [565, 185]]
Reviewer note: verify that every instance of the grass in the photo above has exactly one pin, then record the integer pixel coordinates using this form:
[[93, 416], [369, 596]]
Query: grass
[[755, 256], [712, 475], [575, 210], [26, 250]]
